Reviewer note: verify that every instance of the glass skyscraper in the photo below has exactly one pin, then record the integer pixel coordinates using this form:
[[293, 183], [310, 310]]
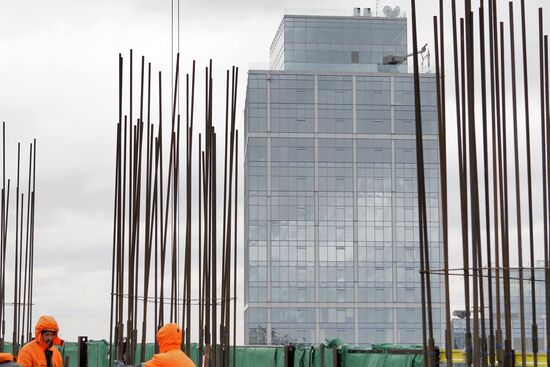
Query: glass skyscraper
[[349, 44], [459, 324], [331, 232]]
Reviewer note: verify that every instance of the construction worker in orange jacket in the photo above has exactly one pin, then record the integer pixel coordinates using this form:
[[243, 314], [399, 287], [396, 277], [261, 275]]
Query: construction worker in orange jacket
[[41, 352], [169, 338], [7, 360]]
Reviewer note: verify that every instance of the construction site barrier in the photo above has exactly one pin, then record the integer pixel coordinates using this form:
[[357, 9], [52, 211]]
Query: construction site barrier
[[323, 355], [459, 357]]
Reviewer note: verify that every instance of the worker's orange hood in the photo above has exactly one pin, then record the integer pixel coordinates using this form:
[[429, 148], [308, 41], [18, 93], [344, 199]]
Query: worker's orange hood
[[169, 337], [47, 323], [6, 357]]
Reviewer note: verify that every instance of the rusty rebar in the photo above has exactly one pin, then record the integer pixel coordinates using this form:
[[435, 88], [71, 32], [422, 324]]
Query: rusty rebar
[[139, 175], [427, 326]]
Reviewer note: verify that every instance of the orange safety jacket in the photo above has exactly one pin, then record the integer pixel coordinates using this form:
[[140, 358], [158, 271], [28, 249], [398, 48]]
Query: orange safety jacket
[[169, 338], [7, 360], [33, 354]]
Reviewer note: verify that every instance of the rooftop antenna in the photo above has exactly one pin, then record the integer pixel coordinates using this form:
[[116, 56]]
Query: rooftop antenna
[[426, 58], [377, 3]]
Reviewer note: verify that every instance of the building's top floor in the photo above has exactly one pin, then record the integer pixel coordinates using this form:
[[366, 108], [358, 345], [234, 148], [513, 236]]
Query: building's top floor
[[309, 102], [356, 43]]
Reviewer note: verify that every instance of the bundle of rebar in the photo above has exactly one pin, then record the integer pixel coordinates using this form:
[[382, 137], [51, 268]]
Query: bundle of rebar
[[487, 272], [158, 229], [17, 254]]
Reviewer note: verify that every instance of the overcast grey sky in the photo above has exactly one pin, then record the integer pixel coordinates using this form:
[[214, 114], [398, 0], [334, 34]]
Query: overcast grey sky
[[58, 83]]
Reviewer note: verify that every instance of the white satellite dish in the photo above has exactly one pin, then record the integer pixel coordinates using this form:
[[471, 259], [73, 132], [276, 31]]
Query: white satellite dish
[[392, 13], [396, 11]]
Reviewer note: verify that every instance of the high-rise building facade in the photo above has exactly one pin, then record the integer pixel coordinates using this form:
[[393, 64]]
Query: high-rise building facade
[[459, 324], [331, 232], [515, 307]]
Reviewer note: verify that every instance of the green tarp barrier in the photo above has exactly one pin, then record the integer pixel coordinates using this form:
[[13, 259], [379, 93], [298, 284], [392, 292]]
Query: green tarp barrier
[[303, 357], [244, 357], [319, 355], [380, 355], [389, 346], [98, 353], [258, 356]]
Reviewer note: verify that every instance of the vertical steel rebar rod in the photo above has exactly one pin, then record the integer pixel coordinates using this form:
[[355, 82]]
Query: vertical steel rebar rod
[[207, 182], [508, 353], [464, 218], [156, 202], [235, 252], [116, 214], [424, 264], [469, 110], [546, 122], [227, 275], [544, 162], [225, 224], [474, 190], [534, 331], [139, 164], [15, 347], [200, 244], [189, 206], [495, 340], [28, 332], [131, 173], [121, 249], [21, 311], [5, 235], [463, 166], [149, 215], [544, 159], [160, 215], [3, 244], [440, 45], [114, 252], [213, 298], [27, 253], [517, 185], [31, 258], [483, 341]]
